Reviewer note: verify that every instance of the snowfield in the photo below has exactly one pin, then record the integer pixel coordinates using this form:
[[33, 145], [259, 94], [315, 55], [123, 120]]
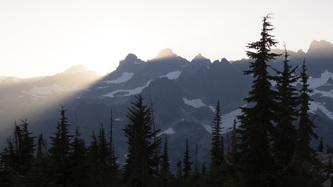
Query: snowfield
[[227, 121], [316, 82], [124, 78], [208, 127], [314, 106], [168, 131], [127, 92], [197, 103], [323, 93], [173, 75]]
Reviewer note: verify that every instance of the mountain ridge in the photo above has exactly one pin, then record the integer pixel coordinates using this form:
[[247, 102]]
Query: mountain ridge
[[184, 94], [314, 47]]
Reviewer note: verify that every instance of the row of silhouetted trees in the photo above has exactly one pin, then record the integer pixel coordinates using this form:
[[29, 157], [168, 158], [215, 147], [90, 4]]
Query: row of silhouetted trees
[[270, 147]]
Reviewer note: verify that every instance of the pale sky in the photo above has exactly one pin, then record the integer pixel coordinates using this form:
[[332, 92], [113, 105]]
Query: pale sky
[[43, 37]]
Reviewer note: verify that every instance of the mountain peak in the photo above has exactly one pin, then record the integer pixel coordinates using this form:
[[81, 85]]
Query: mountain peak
[[199, 57], [76, 69], [131, 57], [130, 63], [322, 47], [165, 53], [320, 44], [224, 60]]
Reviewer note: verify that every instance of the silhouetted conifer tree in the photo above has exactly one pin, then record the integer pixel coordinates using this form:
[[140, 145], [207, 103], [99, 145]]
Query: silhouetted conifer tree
[[114, 167], [17, 158], [103, 157], [165, 165], [305, 158], [216, 152], [60, 152], [254, 151], [141, 159], [103, 168], [179, 172], [79, 161], [287, 97], [93, 154], [187, 169], [165, 177], [38, 175], [41, 147]]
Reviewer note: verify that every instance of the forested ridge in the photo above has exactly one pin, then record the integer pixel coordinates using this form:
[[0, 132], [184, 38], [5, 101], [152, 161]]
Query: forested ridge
[[270, 146]]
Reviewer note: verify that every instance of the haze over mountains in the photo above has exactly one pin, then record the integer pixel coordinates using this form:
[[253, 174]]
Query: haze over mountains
[[184, 95]]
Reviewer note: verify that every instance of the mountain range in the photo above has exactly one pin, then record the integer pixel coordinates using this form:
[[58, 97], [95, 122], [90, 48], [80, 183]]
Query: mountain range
[[183, 95]]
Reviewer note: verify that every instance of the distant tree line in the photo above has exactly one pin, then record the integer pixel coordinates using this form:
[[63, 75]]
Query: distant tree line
[[270, 146]]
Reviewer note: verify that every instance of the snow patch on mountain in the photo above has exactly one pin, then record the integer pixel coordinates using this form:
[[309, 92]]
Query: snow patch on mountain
[[208, 127], [125, 93], [124, 78], [173, 75], [197, 103], [212, 108], [228, 119], [314, 106], [168, 131], [316, 82], [323, 93]]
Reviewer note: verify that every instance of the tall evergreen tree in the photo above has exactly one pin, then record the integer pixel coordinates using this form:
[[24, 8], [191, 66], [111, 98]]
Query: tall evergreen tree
[[287, 98], [305, 157], [187, 169], [254, 150], [141, 158], [60, 151], [26, 147], [17, 158], [114, 167], [79, 162], [94, 175], [103, 156], [102, 163], [41, 147], [179, 172], [165, 165], [165, 177], [38, 175], [217, 152]]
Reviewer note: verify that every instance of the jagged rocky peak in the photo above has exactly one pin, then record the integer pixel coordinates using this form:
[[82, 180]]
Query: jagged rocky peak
[[322, 47], [165, 53], [216, 62], [131, 63], [300, 51], [131, 59], [224, 60], [201, 59]]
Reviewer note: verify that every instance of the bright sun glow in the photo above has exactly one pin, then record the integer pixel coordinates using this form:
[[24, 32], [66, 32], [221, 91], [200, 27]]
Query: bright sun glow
[[104, 49]]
